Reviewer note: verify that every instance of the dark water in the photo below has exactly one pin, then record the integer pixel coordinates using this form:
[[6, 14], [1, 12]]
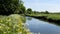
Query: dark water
[[42, 27]]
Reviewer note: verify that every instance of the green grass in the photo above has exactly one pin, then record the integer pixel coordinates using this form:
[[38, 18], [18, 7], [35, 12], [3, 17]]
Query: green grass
[[52, 16]]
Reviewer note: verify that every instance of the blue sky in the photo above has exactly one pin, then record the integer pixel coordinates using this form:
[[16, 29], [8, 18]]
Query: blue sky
[[42, 5]]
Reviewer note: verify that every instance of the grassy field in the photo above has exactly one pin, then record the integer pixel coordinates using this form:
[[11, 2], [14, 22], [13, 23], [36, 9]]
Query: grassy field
[[52, 16]]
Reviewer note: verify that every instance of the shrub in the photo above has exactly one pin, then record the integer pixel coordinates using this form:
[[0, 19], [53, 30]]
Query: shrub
[[12, 25]]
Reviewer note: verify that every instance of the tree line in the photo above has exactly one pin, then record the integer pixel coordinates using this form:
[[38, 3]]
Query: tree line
[[8, 7]]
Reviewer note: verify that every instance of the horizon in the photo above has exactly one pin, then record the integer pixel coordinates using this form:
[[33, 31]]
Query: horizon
[[43, 5]]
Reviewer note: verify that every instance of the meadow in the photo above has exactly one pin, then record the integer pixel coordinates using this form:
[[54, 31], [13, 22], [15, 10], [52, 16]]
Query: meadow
[[51, 17]]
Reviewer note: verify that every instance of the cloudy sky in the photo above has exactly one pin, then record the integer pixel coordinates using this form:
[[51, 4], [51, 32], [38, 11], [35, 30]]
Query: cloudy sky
[[42, 5]]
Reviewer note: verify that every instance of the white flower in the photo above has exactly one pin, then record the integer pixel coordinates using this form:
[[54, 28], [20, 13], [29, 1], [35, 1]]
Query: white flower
[[20, 33], [0, 26]]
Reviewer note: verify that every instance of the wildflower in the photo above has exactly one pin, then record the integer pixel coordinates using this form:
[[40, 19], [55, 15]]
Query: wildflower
[[1, 20], [29, 33], [6, 22], [23, 24], [8, 28], [18, 30], [9, 19], [20, 33], [0, 26], [4, 32], [27, 30], [17, 25]]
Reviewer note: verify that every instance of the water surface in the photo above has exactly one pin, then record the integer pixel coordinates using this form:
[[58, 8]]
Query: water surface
[[42, 27]]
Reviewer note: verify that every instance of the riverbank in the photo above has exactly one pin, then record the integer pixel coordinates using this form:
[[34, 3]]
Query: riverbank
[[53, 18], [13, 24]]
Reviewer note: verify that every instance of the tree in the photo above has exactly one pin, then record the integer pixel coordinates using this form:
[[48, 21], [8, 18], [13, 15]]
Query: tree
[[22, 9], [46, 12], [29, 10], [10, 6]]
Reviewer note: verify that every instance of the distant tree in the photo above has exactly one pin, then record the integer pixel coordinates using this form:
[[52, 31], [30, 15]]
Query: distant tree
[[29, 10], [46, 12], [35, 12]]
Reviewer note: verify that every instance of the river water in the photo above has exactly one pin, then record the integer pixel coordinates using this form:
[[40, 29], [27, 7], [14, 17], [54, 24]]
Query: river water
[[42, 27]]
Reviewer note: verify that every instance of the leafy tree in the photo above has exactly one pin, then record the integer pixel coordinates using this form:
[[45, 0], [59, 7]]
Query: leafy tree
[[29, 10], [10, 6], [46, 12], [22, 9]]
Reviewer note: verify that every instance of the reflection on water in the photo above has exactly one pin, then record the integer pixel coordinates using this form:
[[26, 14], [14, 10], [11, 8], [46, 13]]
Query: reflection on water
[[42, 27], [29, 18]]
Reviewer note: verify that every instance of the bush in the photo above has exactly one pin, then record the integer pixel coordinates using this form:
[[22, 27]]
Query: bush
[[12, 25]]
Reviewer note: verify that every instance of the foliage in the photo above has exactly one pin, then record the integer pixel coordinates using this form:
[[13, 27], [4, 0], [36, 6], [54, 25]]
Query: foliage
[[46, 12], [22, 9], [12, 25], [53, 16], [11, 6], [29, 10]]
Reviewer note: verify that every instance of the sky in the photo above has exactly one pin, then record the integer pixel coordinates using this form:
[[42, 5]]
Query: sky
[[43, 5]]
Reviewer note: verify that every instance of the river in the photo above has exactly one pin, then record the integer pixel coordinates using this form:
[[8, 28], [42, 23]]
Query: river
[[42, 27]]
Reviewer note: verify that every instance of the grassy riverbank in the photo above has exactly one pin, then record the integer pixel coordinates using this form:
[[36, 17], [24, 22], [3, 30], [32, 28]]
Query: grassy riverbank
[[54, 18], [13, 24]]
